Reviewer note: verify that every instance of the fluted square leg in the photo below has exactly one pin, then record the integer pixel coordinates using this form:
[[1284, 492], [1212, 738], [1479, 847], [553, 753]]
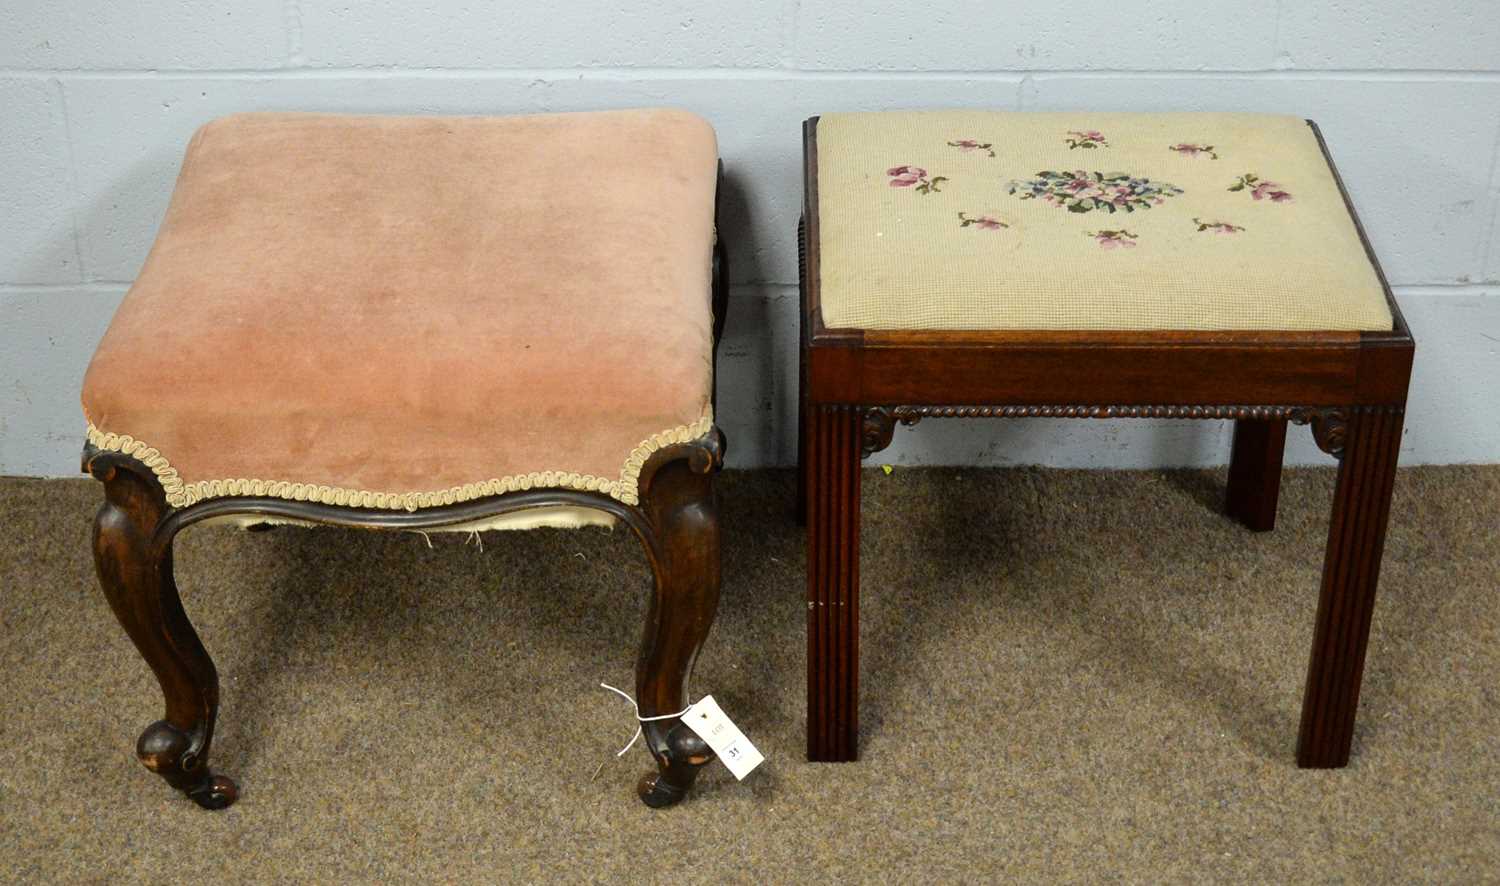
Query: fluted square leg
[[832, 451], [1351, 568], [1255, 472]]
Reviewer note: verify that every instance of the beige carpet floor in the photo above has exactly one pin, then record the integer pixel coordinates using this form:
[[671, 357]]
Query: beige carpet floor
[[1072, 676]]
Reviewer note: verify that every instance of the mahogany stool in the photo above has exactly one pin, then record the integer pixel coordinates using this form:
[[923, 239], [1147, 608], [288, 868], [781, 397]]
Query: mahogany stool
[[959, 263], [419, 323]]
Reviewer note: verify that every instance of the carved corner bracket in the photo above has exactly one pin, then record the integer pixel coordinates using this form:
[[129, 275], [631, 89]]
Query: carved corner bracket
[[876, 430], [1329, 427], [702, 455], [879, 425], [706, 454]]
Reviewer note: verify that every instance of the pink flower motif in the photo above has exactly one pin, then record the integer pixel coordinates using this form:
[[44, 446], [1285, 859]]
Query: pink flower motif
[[1261, 189], [1086, 138], [1216, 227], [1271, 190], [907, 176], [983, 222], [969, 144], [1191, 150], [1120, 239]]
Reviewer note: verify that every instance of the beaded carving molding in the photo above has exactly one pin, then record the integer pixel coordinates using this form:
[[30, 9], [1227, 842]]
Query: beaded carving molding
[[1328, 423]]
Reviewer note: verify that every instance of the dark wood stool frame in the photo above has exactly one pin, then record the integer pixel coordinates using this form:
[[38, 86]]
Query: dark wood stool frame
[[857, 384], [676, 522]]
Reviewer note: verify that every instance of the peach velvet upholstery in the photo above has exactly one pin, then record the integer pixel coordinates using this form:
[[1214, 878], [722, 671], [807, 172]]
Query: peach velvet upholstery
[[414, 305]]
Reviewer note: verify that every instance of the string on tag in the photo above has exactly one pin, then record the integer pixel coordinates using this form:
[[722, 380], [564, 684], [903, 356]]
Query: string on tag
[[639, 719]]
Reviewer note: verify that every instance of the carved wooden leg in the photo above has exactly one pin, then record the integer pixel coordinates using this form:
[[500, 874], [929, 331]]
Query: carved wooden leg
[[135, 571], [1369, 443], [802, 427], [1255, 472], [802, 377], [685, 519], [833, 436]]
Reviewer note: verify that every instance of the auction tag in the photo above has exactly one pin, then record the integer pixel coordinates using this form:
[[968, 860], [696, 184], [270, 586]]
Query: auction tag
[[735, 750]]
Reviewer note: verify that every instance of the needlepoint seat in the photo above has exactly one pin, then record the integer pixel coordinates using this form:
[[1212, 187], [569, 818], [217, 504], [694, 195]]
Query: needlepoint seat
[[1160, 221]]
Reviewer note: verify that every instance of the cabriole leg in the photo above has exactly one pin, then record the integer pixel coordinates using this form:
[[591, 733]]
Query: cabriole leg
[[135, 572], [685, 518]]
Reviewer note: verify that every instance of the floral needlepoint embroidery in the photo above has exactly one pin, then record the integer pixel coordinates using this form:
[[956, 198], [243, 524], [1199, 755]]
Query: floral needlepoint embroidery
[[1087, 138], [1261, 189], [1081, 191], [1121, 239], [1217, 227], [1191, 150], [969, 144], [983, 222], [907, 176]]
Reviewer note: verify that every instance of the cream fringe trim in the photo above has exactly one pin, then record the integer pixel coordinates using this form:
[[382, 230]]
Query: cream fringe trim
[[180, 494]]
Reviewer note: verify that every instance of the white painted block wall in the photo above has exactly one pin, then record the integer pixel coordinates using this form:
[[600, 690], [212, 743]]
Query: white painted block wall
[[98, 98]]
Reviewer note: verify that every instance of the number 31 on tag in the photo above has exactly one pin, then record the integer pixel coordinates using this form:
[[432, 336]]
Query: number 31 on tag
[[734, 750]]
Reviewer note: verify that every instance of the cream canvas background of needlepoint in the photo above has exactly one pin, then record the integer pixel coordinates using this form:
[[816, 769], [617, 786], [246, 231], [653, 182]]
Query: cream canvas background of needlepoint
[[894, 258]]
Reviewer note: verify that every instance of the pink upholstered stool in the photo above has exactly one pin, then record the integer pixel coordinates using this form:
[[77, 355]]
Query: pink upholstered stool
[[418, 323]]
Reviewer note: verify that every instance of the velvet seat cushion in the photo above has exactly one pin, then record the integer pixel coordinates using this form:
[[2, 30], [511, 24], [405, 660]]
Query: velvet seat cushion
[[1086, 221], [404, 312]]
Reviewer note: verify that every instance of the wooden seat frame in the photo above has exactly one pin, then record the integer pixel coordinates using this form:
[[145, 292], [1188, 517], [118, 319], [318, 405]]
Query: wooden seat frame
[[857, 384], [676, 522]]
